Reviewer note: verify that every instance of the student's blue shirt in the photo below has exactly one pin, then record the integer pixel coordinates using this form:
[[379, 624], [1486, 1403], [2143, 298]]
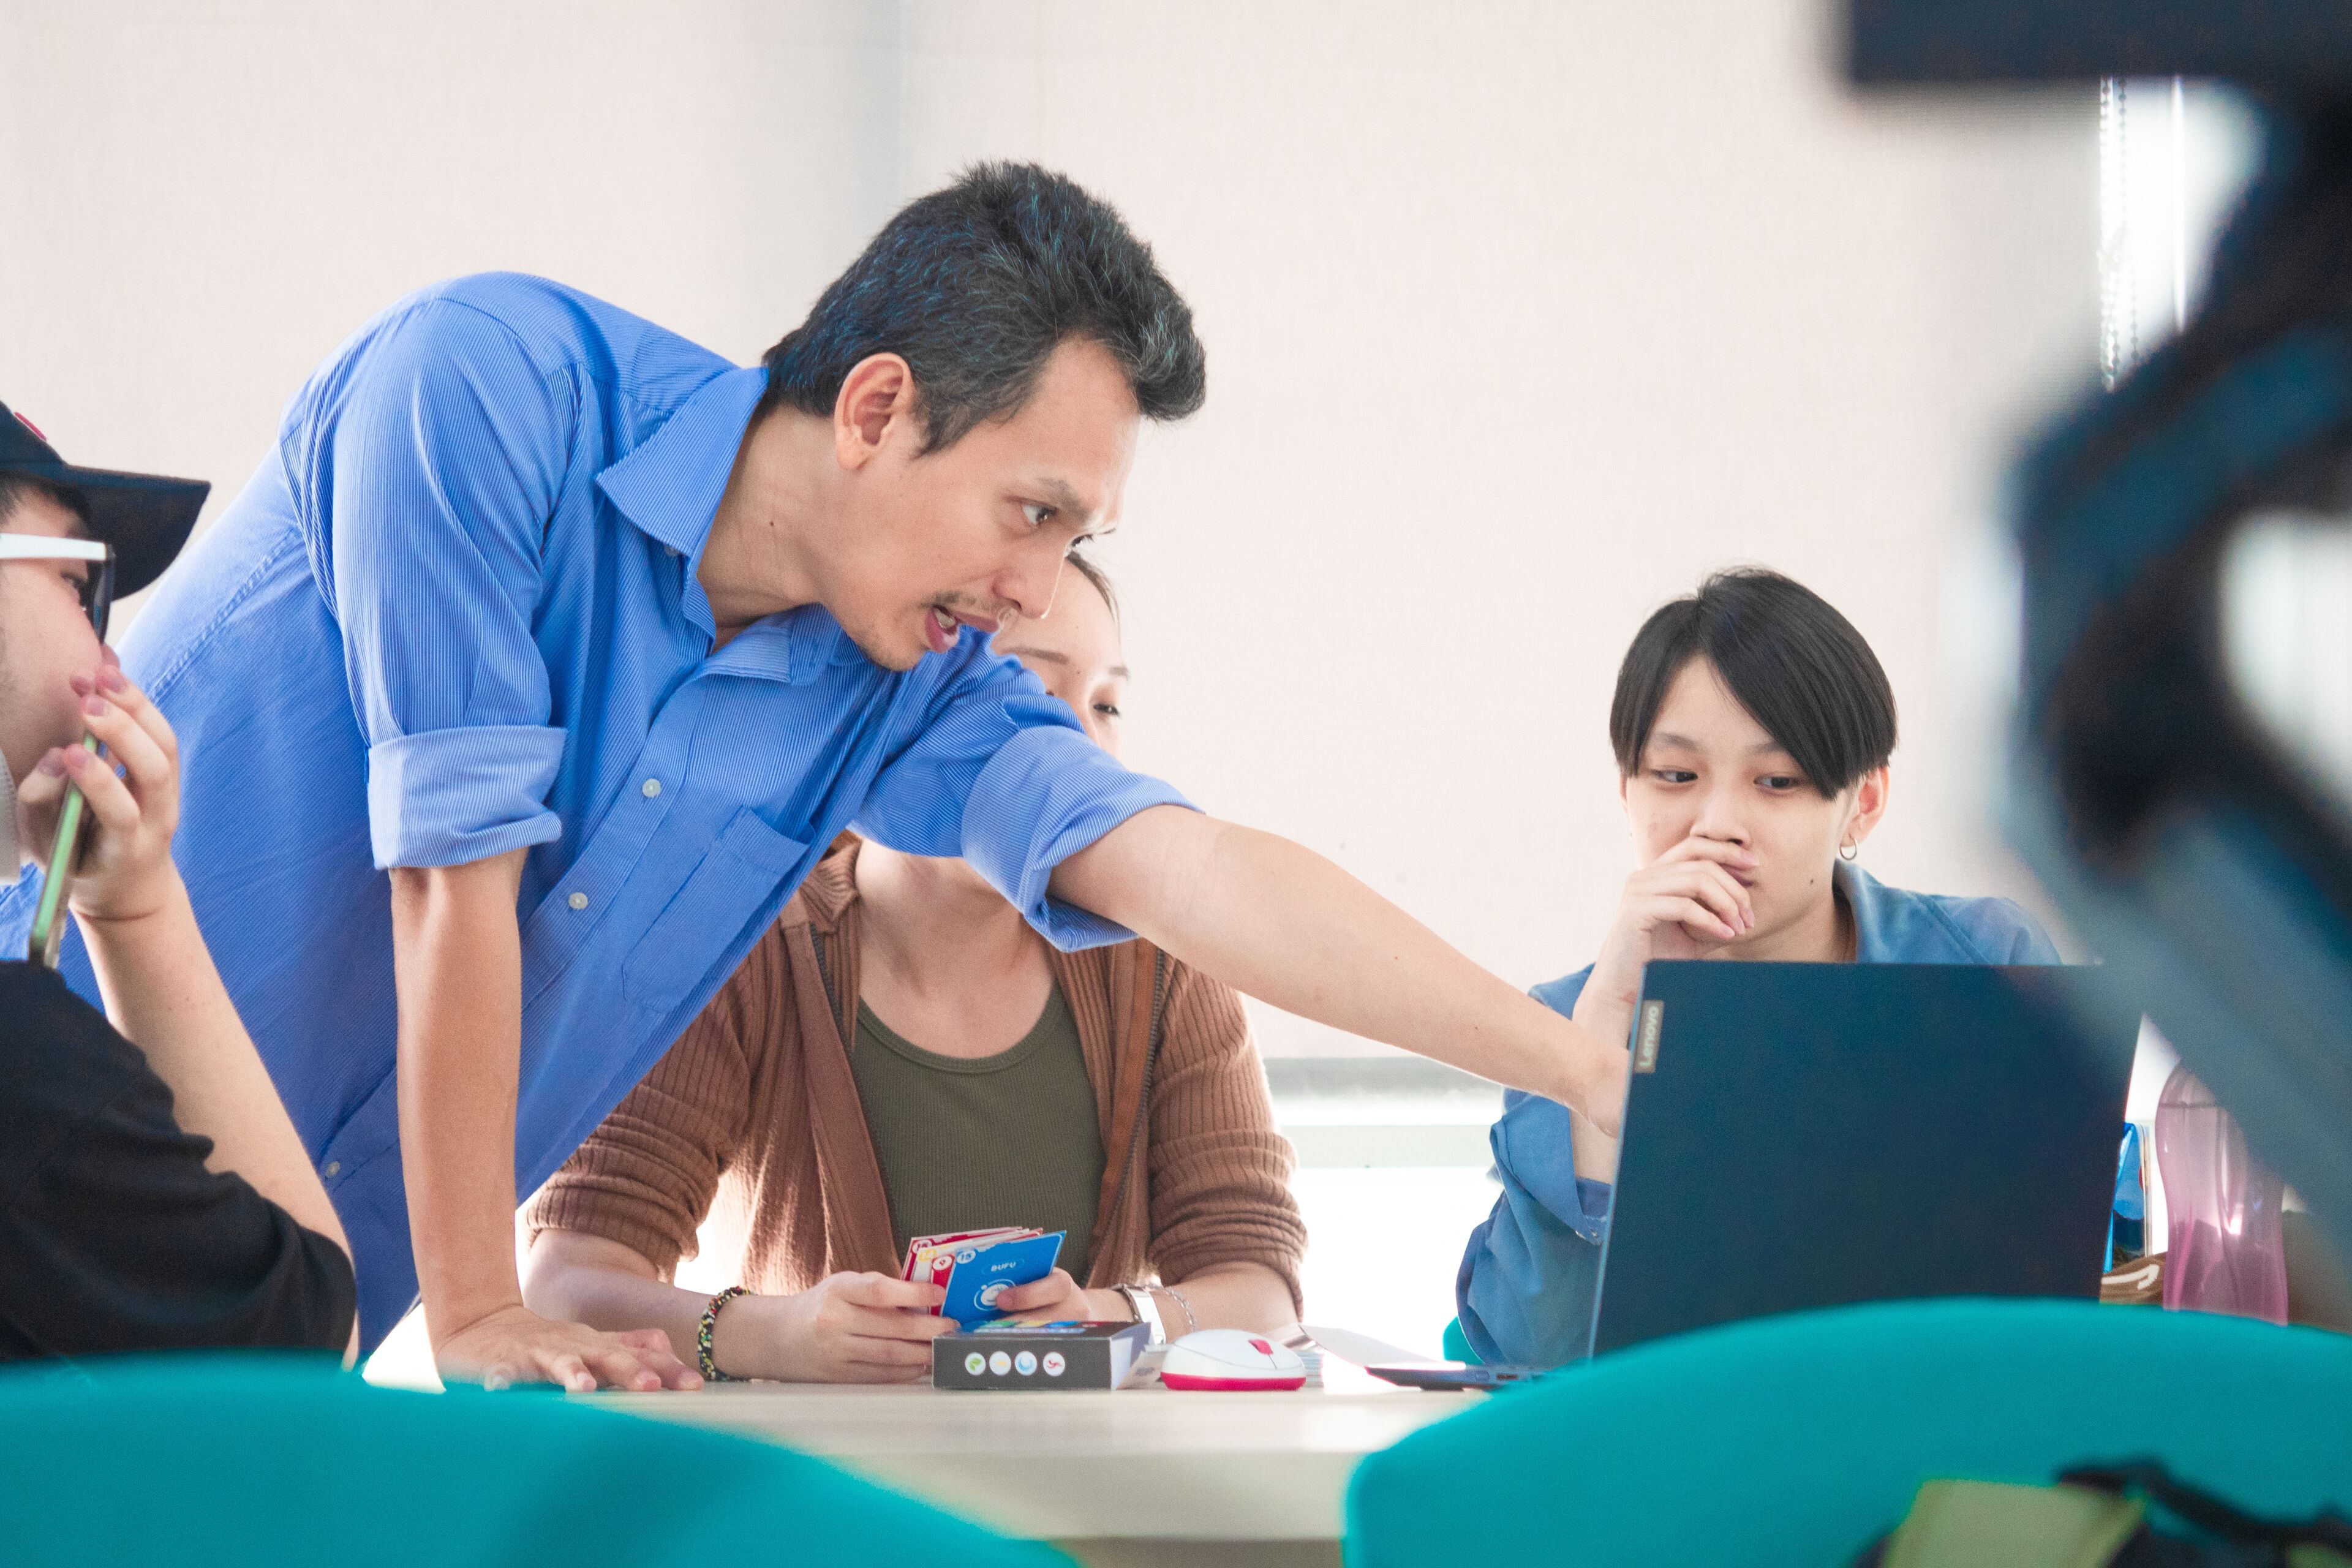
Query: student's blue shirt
[[455, 613], [1528, 1277]]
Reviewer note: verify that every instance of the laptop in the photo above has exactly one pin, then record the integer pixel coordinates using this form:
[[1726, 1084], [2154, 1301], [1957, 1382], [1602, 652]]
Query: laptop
[[1803, 1135]]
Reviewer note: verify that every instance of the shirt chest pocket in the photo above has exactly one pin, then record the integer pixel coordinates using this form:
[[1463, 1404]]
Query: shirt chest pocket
[[741, 870]]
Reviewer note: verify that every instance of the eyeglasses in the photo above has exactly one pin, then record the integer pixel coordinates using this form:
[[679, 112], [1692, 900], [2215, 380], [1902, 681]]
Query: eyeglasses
[[97, 586]]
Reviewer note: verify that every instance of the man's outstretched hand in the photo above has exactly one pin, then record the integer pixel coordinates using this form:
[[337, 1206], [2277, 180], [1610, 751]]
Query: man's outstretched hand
[[515, 1345]]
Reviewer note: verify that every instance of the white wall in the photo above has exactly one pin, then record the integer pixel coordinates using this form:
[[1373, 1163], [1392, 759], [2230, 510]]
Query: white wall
[[198, 201], [1521, 317]]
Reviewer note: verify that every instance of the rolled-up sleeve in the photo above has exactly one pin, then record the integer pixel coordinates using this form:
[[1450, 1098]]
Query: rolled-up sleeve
[[1530, 1275], [425, 475], [1004, 778]]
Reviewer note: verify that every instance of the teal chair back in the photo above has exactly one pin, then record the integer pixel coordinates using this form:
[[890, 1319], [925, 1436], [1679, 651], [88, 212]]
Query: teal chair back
[[1797, 1440], [249, 1459]]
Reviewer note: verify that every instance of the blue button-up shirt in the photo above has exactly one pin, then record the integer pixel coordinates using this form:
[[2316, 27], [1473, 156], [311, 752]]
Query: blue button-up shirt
[[455, 613], [1531, 1272]]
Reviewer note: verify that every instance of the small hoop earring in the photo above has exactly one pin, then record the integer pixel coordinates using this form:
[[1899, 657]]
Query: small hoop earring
[[1849, 850]]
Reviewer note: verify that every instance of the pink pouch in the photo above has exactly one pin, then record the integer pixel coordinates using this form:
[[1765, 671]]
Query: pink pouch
[[2224, 1246]]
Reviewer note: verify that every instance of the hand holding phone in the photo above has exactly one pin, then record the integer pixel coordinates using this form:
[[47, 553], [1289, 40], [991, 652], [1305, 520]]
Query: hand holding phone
[[110, 832]]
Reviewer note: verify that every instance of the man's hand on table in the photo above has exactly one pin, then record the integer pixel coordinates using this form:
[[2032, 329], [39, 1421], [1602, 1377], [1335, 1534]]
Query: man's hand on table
[[515, 1345], [846, 1328]]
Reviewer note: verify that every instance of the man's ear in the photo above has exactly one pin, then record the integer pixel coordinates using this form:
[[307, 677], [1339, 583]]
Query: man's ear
[[1870, 792], [877, 395]]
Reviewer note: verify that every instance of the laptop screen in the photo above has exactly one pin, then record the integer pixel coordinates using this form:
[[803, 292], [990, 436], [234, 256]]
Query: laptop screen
[[1804, 1135]]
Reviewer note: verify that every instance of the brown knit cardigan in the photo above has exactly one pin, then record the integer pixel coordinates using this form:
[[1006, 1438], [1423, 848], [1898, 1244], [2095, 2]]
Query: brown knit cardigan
[[755, 1109]]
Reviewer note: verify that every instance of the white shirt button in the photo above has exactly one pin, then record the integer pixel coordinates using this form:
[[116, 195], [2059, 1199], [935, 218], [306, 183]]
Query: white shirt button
[[335, 1167], [578, 901], [650, 788]]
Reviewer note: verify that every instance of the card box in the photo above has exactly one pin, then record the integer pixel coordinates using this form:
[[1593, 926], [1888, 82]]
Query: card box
[[1030, 1356]]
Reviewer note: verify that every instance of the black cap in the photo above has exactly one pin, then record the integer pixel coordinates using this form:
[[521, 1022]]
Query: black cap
[[145, 517]]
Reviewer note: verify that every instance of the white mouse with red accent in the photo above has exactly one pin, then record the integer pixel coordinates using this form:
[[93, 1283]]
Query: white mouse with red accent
[[1230, 1360]]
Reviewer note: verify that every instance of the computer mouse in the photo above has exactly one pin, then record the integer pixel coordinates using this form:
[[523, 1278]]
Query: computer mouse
[[1230, 1359]]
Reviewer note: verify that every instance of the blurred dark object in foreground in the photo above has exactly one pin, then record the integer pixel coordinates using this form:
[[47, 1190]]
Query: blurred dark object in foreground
[[2207, 865], [2277, 43]]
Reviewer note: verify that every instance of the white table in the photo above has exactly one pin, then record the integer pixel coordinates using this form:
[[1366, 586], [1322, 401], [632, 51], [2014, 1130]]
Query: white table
[[1143, 1475]]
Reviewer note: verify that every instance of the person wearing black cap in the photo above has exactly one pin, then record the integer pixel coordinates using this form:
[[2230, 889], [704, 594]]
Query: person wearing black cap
[[153, 1196]]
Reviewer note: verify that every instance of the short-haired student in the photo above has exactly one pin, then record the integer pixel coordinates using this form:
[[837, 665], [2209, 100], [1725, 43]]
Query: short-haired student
[[1753, 726]]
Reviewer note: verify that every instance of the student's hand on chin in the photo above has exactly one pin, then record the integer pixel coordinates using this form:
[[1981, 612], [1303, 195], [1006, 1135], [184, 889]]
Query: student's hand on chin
[[854, 1328], [1057, 1298], [1678, 906], [516, 1345]]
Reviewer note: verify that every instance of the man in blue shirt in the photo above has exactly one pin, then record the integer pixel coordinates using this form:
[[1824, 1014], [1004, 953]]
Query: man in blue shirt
[[547, 652]]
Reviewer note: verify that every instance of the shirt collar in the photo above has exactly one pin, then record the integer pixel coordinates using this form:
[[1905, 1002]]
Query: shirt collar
[[1892, 925], [790, 646], [670, 483], [1866, 903]]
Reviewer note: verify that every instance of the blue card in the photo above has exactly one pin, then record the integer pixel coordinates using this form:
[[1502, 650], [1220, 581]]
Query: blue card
[[982, 1274]]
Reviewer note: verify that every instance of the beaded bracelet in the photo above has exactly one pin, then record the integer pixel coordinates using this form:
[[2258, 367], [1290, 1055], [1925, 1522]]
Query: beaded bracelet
[[708, 1329]]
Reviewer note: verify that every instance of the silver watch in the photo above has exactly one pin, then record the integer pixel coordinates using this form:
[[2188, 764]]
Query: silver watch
[[1146, 1310]]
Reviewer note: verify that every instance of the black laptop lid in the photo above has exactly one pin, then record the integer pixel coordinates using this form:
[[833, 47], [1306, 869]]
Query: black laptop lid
[[1804, 1135]]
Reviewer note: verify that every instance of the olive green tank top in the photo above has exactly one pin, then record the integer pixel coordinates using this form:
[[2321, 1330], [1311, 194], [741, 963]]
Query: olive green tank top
[[1010, 1138]]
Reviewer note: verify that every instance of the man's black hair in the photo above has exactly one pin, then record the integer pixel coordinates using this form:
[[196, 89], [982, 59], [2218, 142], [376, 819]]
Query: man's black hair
[[1796, 665], [975, 286]]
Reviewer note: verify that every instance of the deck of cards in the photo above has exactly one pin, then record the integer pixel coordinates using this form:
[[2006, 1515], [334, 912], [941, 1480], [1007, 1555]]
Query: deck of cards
[[978, 1265]]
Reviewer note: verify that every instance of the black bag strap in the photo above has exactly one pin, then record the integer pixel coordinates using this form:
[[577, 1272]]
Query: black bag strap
[[2211, 1514]]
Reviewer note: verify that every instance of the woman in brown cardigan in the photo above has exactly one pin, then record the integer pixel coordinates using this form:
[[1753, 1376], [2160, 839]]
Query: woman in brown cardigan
[[1113, 1094]]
